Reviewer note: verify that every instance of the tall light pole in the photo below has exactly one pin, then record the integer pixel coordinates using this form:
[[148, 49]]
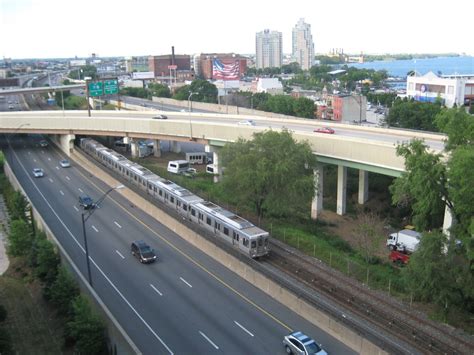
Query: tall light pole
[[190, 109], [84, 217]]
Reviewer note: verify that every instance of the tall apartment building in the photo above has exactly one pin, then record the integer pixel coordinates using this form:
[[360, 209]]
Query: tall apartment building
[[303, 46], [269, 49]]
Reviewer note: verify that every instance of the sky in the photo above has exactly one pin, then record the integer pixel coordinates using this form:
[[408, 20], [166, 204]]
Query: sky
[[65, 29]]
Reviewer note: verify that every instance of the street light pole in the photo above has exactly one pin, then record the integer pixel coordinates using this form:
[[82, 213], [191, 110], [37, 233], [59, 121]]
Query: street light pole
[[84, 217], [190, 109]]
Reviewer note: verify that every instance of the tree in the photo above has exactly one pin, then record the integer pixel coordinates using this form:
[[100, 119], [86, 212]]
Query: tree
[[272, 173], [413, 114], [159, 90], [63, 291], [369, 234], [203, 90], [18, 206], [86, 329], [20, 240], [46, 260], [303, 107]]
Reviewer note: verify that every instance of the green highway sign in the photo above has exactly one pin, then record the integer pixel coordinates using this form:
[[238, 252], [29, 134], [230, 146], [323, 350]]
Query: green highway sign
[[111, 87], [96, 88]]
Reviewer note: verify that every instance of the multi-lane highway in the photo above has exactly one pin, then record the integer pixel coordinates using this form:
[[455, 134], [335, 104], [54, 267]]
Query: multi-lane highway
[[185, 302]]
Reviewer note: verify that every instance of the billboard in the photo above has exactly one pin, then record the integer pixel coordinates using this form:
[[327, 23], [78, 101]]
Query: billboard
[[143, 75], [77, 63]]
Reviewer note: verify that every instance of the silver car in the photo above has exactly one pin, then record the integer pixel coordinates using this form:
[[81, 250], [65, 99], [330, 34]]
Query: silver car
[[65, 163], [299, 344], [37, 172]]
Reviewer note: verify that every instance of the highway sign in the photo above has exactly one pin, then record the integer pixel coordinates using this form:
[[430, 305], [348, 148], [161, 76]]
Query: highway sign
[[96, 88], [111, 87]]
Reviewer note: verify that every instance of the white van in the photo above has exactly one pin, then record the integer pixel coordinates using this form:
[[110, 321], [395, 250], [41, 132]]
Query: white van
[[178, 166]]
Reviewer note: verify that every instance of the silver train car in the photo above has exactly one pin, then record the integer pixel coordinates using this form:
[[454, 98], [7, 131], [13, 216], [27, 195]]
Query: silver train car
[[229, 227]]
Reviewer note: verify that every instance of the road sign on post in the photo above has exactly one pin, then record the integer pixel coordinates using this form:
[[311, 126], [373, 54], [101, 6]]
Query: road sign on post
[[96, 88], [111, 87]]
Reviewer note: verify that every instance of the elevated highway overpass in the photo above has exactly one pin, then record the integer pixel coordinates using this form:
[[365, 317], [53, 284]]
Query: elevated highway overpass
[[369, 149]]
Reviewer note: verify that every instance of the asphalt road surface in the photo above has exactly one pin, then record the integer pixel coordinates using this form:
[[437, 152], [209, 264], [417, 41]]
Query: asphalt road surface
[[185, 302]]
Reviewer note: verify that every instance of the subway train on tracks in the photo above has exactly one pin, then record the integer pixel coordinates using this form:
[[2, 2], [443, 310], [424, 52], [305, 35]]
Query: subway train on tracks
[[233, 229]]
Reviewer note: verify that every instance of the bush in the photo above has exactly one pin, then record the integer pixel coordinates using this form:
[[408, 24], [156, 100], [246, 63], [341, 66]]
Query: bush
[[86, 329], [3, 313], [20, 240], [63, 291], [46, 259]]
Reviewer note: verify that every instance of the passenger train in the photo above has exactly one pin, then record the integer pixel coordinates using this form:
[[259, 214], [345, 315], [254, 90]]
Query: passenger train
[[233, 229]]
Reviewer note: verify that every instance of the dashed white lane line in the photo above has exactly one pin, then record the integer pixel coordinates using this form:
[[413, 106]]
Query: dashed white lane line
[[243, 328], [186, 282], [57, 168], [77, 209], [118, 225], [62, 193], [68, 178], [80, 189], [34, 160], [209, 340], [29, 153], [50, 180], [49, 159], [156, 290], [94, 228], [123, 257]]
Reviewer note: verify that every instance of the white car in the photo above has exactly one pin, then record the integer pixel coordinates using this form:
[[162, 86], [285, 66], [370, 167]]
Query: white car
[[43, 143], [37, 172], [65, 163], [298, 343], [247, 123]]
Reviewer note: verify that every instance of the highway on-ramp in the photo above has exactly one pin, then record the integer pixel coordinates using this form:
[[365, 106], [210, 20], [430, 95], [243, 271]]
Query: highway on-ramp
[[185, 302]]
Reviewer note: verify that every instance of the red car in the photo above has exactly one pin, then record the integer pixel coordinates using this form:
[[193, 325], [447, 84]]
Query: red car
[[327, 130]]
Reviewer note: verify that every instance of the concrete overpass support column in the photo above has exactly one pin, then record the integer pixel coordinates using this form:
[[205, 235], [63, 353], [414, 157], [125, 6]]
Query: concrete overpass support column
[[448, 220], [134, 148], [341, 189], [175, 147], [215, 161], [66, 143], [156, 148], [317, 203], [363, 186]]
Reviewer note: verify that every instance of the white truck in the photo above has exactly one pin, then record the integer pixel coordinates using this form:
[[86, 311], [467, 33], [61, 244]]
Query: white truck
[[405, 240]]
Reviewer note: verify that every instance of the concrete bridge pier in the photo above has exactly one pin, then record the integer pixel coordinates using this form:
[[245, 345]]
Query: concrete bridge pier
[[65, 142], [134, 148], [317, 203], [363, 186], [341, 189], [215, 161], [156, 148], [175, 147]]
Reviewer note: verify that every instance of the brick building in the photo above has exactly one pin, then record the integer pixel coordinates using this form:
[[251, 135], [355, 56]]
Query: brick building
[[159, 64], [203, 63]]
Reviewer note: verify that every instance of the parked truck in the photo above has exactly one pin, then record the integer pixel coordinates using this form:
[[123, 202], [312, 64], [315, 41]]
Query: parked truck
[[405, 241]]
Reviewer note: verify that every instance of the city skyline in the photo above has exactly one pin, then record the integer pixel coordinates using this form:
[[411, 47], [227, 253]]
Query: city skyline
[[56, 29]]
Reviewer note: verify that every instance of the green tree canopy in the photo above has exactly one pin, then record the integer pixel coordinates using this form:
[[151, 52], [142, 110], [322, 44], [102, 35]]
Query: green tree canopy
[[63, 291], [414, 115], [159, 90], [272, 173], [20, 240]]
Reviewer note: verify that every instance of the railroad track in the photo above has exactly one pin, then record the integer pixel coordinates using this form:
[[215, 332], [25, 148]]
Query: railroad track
[[374, 307]]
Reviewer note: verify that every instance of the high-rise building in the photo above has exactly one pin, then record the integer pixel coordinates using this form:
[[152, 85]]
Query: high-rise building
[[303, 46], [269, 49]]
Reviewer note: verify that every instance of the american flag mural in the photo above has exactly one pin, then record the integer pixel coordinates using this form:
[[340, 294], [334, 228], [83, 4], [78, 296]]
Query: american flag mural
[[225, 71]]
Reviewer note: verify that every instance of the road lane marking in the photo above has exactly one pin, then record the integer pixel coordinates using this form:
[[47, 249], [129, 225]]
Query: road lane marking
[[49, 159], [158, 292], [93, 262], [77, 209], [209, 340], [34, 160], [243, 328], [57, 168], [62, 193], [80, 190], [187, 283], [118, 225], [29, 153], [68, 178], [94, 228], [50, 180], [123, 257], [195, 262]]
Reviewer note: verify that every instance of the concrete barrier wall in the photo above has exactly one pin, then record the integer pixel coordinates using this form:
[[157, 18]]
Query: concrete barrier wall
[[301, 307], [120, 342]]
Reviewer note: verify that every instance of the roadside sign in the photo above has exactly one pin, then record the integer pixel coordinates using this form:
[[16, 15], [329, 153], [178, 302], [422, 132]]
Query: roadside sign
[[172, 67], [96, 88], [111, 87]]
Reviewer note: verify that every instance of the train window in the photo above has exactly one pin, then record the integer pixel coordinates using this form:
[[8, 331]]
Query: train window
[[266, 241], [127, 172], [235, 236], [253, 244], [217, 226], [154, 188], [161, 193], [185, 207], [166, 195], [208, 221], [144, 183], [260, 242], [201, 216], [193, 212], [171, 199], [226, 231], [135, 177], [245, 242], [149, 186]]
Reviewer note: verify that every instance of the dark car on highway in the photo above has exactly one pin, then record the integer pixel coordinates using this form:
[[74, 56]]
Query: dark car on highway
[[143, 252], [86, 202]]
